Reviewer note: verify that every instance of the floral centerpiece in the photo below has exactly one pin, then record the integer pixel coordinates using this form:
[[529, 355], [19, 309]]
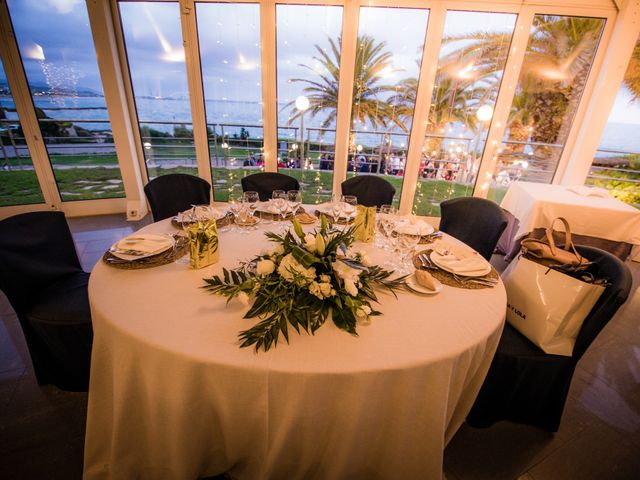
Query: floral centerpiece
[[303, 280]]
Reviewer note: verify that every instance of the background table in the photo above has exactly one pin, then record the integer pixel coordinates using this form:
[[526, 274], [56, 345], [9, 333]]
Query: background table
[[537, 204], [173, 396]]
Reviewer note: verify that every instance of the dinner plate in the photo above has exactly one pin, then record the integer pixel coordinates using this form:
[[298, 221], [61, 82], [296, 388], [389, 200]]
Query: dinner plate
[[142, 242], [413, 284], [481, 271], [419, 228]]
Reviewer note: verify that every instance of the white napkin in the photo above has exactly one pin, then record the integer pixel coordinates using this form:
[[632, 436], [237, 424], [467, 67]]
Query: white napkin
[[471, 264], [414, 227], [586, 191], [326, 209], [144, 243]]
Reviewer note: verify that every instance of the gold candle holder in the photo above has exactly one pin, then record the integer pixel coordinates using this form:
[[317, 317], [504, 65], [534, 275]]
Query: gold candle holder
[[365, 224], [203, 243]]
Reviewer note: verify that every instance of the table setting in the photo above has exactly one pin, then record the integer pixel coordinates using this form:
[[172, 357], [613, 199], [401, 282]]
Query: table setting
[[190, 360]]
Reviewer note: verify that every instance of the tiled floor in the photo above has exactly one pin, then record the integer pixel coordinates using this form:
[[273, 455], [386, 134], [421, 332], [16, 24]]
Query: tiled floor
[[42, 428]]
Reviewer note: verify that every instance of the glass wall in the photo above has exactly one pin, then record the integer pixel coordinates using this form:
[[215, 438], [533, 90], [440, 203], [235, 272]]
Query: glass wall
[[556, 66], [229, 38], [474, 50], [387, 67], [18, 181], [153, 39], [62, 72], [308, 70], [616, 165]]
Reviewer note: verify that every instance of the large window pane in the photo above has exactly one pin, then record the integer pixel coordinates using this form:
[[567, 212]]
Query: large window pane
[[308, 65], [616, 165], [18, 181], [60, 63], [553, 75], [388, 57], [474, 51], [153, 39], [229, 36]]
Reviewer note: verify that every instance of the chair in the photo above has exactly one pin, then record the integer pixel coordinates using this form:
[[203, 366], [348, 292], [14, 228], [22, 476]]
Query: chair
[[266, 182], [371, 190], [526, 385], [475, 221], [170, 194], [42, 278]]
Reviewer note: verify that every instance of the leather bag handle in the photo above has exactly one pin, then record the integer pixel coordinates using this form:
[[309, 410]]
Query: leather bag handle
[[568, 242]]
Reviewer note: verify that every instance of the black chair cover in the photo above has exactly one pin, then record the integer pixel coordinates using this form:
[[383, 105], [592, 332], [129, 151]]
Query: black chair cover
[[371, 190], [170, 194], [526, 385], [42, 278], [476, 221], [266, 182]]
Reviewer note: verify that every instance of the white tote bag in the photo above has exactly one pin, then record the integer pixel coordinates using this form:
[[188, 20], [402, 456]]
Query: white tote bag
[[547, 306]]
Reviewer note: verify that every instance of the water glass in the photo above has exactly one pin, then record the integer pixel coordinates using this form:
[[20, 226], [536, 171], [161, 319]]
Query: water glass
[[349, 205], [252, 199], [407, 242], [295, 200], [281, 204]]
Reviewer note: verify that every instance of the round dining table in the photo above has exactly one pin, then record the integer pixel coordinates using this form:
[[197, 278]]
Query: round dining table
[[173, 396]]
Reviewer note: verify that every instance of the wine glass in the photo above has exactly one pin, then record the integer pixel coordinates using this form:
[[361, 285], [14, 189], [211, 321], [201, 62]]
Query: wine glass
[[252, 199], [349, 206], [281, 204], [387, 222], [407, 242], [336, 207], [295, 200], [235, 204]]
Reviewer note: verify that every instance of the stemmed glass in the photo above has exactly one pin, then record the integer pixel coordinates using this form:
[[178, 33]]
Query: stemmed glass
[[387, 222], [295, 200], [252, 199], [235, 204], [281, 204], [349, 206], [336, 208], [407, 242]]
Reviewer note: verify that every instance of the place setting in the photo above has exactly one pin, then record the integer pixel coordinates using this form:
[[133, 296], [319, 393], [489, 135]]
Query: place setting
[[146, 250], [455, 267]]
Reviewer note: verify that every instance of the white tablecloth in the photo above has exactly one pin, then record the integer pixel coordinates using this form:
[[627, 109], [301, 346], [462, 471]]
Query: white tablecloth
[[173, 396], [537, 204]]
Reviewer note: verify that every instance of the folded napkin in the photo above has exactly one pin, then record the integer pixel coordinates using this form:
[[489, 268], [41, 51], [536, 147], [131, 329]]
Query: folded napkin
[[455, 264], [586, 191], [327, 210], [414, 227], [144, 243]]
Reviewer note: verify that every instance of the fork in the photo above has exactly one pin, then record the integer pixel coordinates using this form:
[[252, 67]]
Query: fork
[[122, 251]]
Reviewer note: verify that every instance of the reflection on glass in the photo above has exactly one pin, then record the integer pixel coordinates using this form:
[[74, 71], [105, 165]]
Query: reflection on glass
[[153, 39], [229, 37], [474, 51], [388, 57], [552, 78], [61, 68], [308, 70], [18, 181], [616, 165]]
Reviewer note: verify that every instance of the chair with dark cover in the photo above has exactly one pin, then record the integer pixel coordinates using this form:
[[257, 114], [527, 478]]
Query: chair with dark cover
[[42, 278], [476, 221], [266, 182], [526, 385], [371, 190], [171, 194]]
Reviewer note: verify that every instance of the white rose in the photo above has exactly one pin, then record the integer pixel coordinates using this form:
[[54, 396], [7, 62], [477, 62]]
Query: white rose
[[365, 260], [314, 289], [265, 267], [326, 289], [277, 250], [289, 268], [325, 278], [310, 242]]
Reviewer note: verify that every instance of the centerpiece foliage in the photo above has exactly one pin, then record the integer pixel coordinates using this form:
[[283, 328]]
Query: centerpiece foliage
[[301, 281]]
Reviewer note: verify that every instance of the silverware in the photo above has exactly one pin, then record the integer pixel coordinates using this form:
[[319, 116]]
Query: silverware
[[488, 282], [122, 251]]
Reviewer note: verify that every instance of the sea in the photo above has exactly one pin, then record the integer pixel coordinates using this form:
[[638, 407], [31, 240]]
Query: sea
[[617, 137]]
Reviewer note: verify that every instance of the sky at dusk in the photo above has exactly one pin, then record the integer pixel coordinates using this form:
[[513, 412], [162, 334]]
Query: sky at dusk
[[62, 54]]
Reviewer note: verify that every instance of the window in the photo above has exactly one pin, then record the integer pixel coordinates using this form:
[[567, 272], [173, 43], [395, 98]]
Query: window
[[308, 70], [62, 72], [474, 51], [229, 38], [616, 165], [552, 78], [18, 181], [153, 39]]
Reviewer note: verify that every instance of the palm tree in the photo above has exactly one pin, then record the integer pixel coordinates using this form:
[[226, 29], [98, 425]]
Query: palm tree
[[632, 75], [368, 93]]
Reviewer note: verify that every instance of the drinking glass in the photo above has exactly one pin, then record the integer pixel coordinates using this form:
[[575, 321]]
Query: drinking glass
[[281, 204], [252, 199], [407, 242], [295, 200], [336, 208], [235, 204], [387, 222], [349, 206]]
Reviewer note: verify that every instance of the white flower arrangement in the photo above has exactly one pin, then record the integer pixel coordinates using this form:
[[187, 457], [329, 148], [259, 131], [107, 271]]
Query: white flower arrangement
[[303, 280]]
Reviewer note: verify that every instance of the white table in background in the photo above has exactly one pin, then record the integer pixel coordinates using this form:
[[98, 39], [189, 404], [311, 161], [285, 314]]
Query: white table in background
[[537, 204], [172, 396]]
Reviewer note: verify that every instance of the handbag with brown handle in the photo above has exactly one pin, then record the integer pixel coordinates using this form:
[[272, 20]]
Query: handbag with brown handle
[[548, 253]]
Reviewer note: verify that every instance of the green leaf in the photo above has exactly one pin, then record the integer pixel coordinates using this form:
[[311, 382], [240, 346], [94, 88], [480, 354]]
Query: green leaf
[[305, 258]]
